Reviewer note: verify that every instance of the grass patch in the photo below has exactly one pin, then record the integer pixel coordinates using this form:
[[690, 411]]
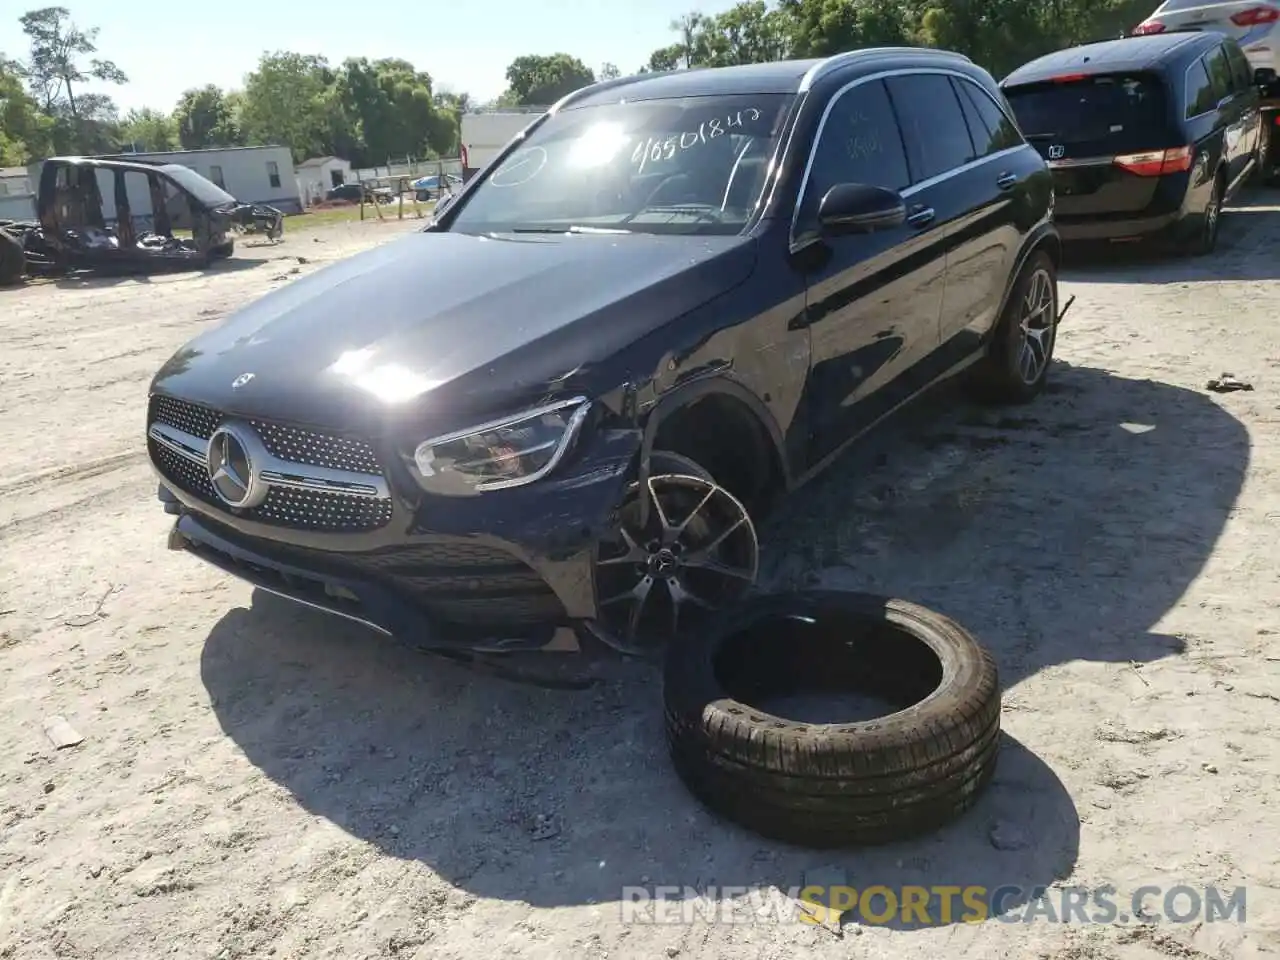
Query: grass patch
[[390, 211]]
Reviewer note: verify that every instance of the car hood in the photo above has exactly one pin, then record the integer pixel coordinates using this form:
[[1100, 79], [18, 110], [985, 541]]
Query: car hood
[[434, 327]]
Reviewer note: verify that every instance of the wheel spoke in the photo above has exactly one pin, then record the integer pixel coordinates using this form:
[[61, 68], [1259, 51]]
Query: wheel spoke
[[712, 565], [635, 553], [662, 514], [641, 592], [701, 554], [680, 595], [677, 531]]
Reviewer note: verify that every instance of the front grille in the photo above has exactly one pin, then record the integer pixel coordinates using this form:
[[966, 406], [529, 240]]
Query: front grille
[[317, 449], [455, 581], [284, 506]]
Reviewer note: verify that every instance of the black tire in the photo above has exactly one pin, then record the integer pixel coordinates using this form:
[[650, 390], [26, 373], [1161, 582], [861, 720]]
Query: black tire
[[1205, 239], [664, 461], [998, 377], [820, 785], [13, 260]]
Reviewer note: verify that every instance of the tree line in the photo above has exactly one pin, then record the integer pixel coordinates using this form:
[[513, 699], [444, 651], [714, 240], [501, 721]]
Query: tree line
[[371, 111]]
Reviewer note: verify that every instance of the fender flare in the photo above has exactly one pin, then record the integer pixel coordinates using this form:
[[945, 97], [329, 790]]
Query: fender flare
[[1042, 237], [683, 396]]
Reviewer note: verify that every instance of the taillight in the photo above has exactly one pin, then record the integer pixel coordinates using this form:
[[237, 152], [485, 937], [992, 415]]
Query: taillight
[[1149, 26], [1156, 163], [1255, 16]]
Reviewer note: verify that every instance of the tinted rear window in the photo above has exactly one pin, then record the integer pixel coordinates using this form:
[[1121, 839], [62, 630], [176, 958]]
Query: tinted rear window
[[1112, 111]]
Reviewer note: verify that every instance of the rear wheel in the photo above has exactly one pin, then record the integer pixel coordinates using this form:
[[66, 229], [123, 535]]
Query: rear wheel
[[1205, 239], [1017, 365]]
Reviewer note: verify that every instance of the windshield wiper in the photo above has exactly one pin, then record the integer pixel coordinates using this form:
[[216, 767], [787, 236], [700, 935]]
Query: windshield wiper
[[573, 229], [702, 214], [1041, 136]]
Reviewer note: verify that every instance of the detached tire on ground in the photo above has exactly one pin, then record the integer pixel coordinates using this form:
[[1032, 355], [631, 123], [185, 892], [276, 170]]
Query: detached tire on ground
[[833, 785]]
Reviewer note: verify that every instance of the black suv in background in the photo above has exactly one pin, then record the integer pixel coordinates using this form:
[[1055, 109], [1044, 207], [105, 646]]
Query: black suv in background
[[565, 402], [1147, 136]]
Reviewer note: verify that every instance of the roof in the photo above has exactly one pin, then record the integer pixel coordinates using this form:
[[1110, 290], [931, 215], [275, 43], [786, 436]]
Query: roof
[[179, 153], [1107, 56], [119, 163], [778, 76], [320, 161]]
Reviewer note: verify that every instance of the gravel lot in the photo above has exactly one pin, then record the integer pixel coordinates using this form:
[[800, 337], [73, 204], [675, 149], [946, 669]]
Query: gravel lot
[[257, 780]]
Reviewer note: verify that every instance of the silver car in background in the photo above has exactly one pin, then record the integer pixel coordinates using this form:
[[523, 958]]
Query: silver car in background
[[1254, 24]]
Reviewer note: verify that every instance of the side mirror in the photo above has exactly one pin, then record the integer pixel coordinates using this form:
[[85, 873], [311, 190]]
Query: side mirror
[[442, 203], [860, 208], [1264, 76]]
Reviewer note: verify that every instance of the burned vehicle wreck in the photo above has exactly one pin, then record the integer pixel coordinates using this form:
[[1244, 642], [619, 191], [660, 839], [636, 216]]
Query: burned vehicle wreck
[[565, 403], [118, 214]]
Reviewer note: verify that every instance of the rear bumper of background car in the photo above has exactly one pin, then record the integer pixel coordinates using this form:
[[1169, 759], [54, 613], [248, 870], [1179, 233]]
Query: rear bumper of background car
[[1086, 229]]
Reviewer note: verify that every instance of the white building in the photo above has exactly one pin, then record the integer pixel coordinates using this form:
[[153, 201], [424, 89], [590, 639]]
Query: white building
[[250, 174], [485, 134], [319, 175], [17, 194]]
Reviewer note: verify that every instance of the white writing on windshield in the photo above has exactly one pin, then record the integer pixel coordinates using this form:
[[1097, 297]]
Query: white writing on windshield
[[657, 149]]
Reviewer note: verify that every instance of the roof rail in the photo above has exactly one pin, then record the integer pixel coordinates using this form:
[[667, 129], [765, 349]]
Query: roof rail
[[840, 59], [600, 85]]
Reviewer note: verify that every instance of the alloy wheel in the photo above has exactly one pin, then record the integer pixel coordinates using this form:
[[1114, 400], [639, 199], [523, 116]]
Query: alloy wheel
[[1038, 313], [696, 552], [1212, 215]]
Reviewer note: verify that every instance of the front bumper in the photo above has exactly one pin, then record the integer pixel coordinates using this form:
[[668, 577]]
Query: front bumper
[[499, 572]]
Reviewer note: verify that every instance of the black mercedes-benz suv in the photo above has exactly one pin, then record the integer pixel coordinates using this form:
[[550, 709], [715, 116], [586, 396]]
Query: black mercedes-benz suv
[[564, 403], [1147, 136]]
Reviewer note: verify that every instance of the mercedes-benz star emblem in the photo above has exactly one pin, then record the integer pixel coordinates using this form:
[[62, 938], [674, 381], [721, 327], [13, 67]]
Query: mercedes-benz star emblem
[[231, 469], [241, 380]]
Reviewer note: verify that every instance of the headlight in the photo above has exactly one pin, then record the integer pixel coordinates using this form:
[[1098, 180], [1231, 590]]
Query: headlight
[[504, 453]]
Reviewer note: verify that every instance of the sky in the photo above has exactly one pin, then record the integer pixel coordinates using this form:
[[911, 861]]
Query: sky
[[165, 49]]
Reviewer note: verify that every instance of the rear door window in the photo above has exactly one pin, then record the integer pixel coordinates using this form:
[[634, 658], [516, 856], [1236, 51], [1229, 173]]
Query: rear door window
[[1241, 71], [1219, 68], [1200, 98], [991, 129], [933, 125], [1094, 115]]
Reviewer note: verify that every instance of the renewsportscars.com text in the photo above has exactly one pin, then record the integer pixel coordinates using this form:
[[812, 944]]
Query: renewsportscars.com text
[[933, 905]]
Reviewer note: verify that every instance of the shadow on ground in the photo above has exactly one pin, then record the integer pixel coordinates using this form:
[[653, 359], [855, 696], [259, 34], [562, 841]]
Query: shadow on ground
[[101, 279], [1248, 236], [1056, 533]]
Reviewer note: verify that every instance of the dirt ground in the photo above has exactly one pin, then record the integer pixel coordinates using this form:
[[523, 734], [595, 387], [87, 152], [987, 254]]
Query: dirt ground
[[257, 780]]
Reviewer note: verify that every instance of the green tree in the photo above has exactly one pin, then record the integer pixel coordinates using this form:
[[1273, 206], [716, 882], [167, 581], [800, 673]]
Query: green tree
[[609, 71], [148, 131], [25, 132], [285, 103], [671, 57], [542, 80], [206, 117], [749, 32], [56, 72]]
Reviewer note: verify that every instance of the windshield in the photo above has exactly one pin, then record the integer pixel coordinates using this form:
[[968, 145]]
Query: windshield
[[691, 165], [206, 191], [1112, 112]]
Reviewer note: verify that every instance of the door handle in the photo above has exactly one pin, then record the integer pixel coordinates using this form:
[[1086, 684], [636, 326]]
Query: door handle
[[1006, 180], [920, 216]]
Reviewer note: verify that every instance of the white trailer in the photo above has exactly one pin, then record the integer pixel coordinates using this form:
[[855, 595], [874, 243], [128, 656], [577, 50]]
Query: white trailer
[[484, 135]]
